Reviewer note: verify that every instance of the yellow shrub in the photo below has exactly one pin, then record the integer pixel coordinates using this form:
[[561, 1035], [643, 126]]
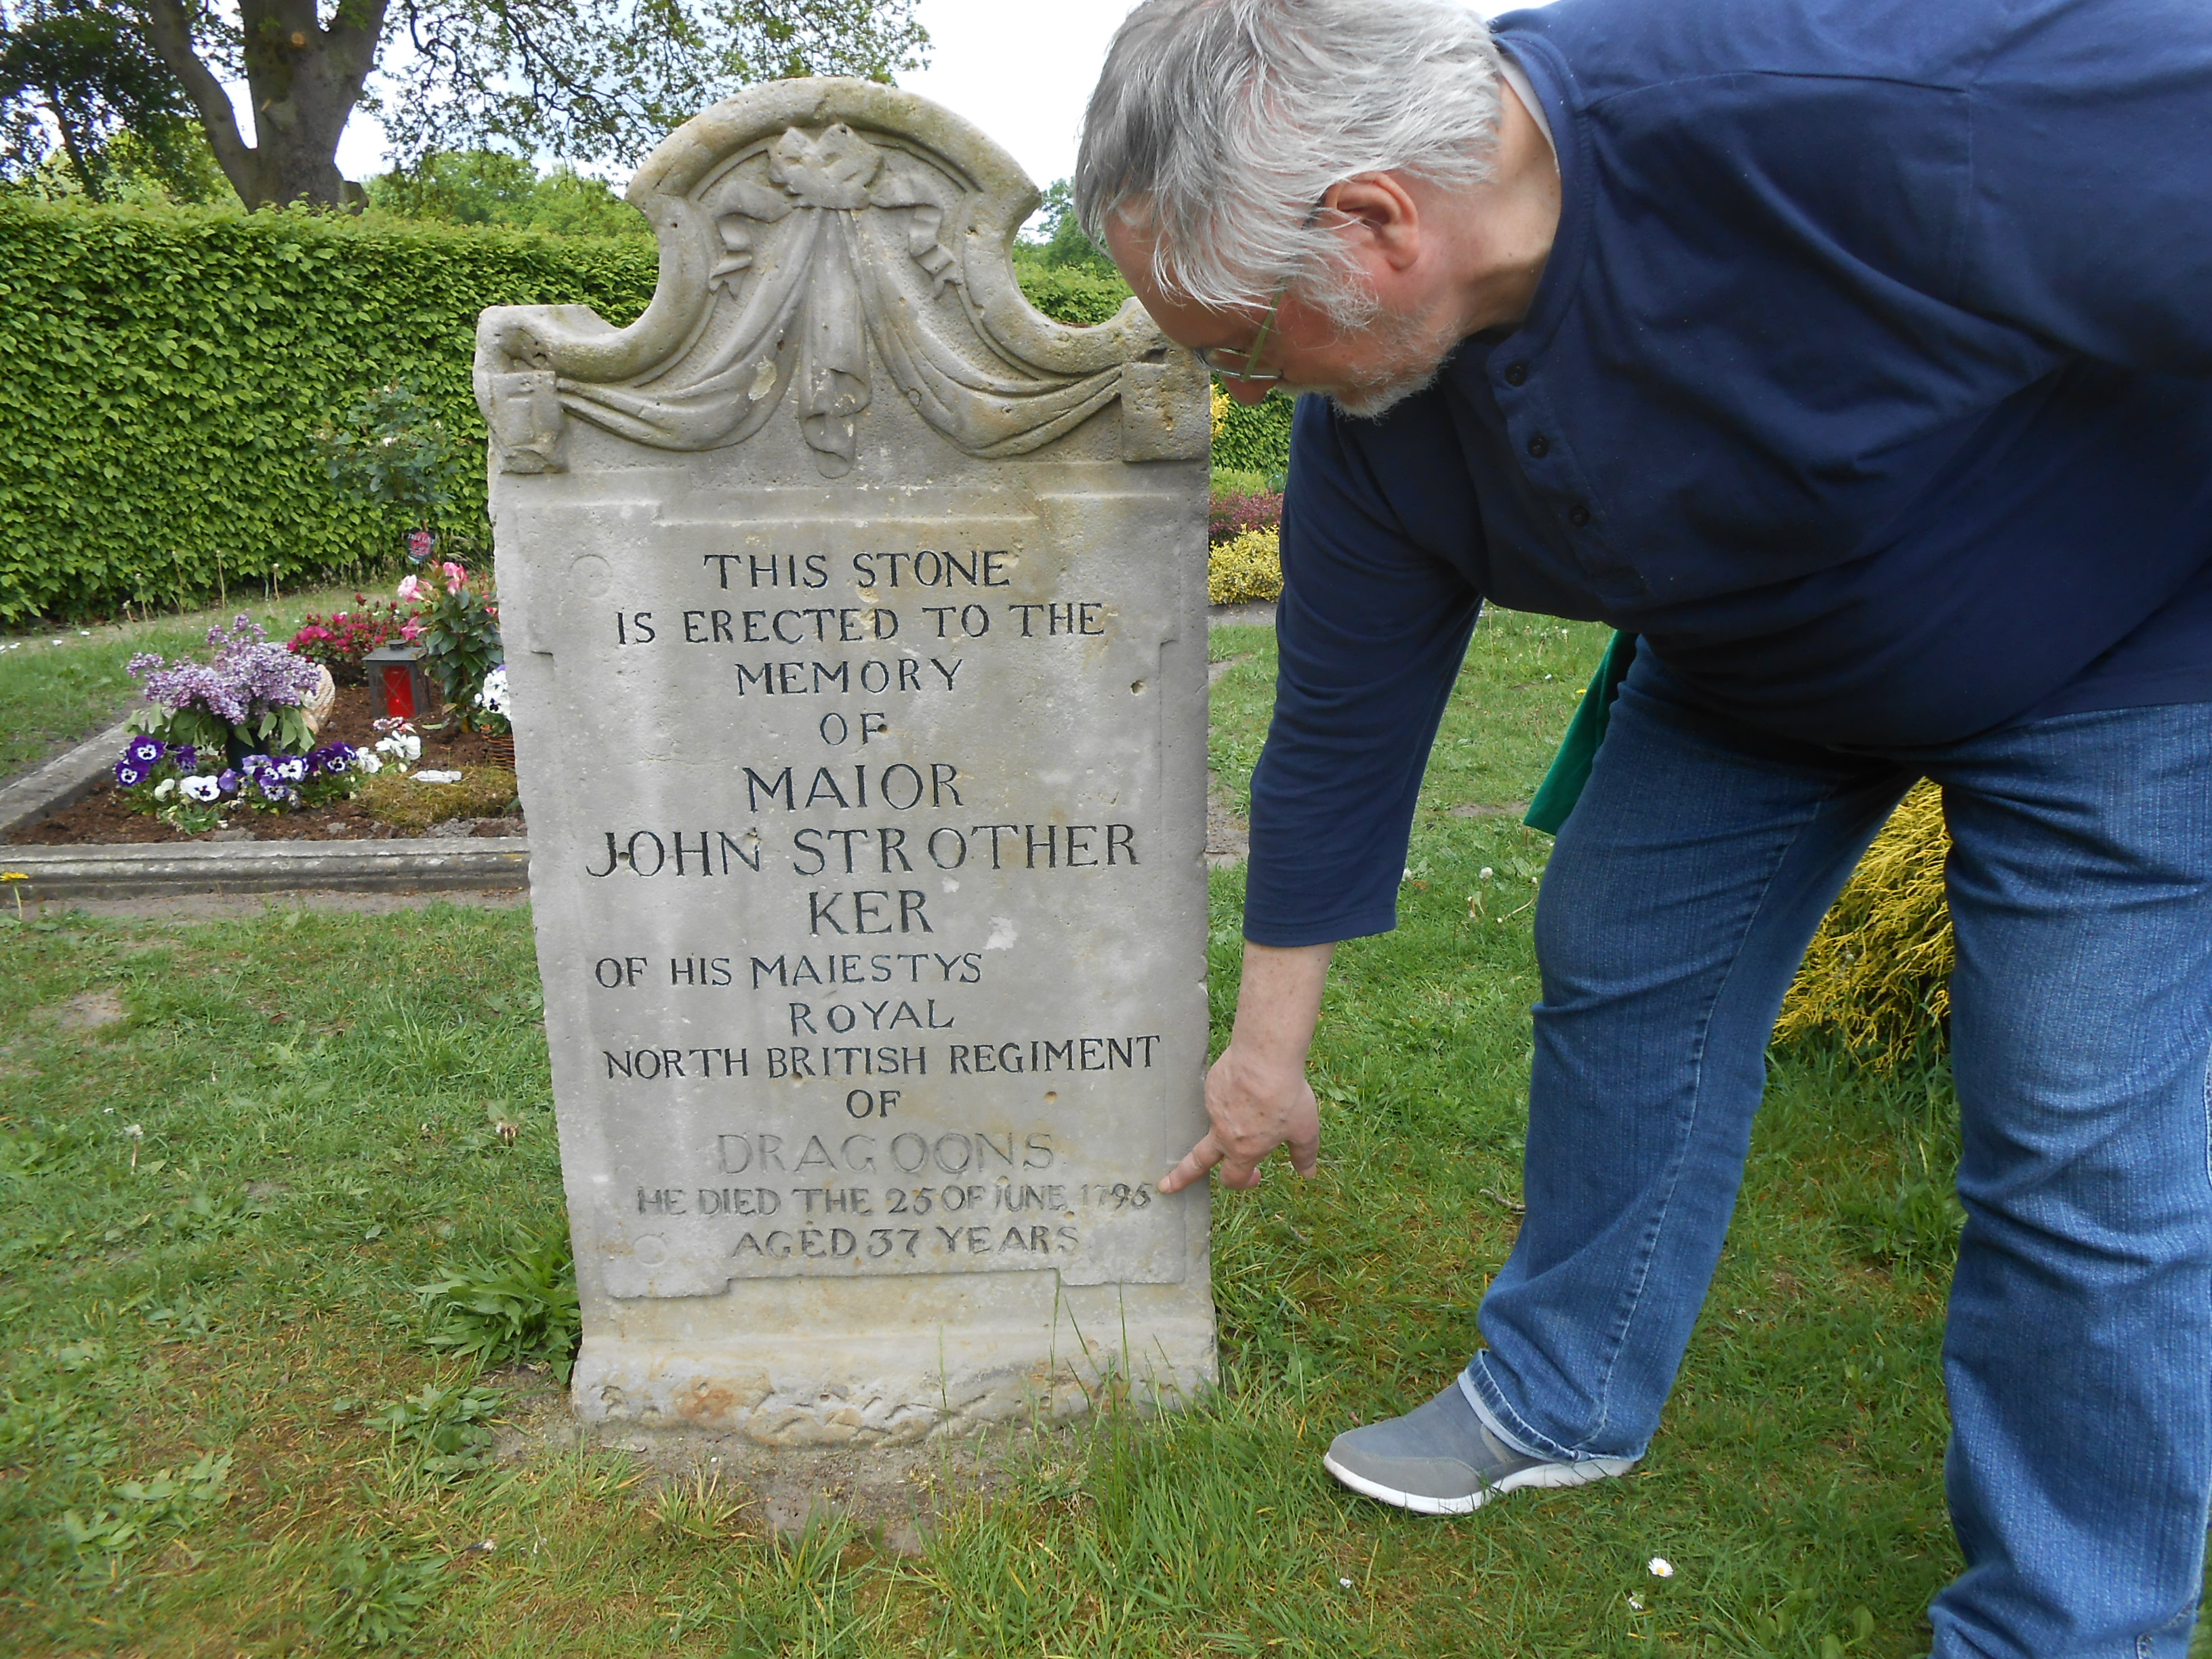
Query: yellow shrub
[[1879, 970], [1248, 567]]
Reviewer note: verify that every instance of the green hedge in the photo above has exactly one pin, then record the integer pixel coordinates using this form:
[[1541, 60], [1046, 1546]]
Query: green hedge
[[162, 372], [1254, 437]]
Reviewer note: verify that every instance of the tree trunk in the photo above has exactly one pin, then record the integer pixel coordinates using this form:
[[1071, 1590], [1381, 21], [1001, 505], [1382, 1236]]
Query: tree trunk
[[304, 81], [73, 147]]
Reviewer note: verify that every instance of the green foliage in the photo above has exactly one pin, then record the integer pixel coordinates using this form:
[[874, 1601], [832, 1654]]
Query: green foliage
[[443, 1427], [520, 1305], [163, 373], [1253, 437], [487, 187], [377, 1597], [459, 640], [140, 1510], [1059, 241], [77, 76], [392, 449], [1069, 294]]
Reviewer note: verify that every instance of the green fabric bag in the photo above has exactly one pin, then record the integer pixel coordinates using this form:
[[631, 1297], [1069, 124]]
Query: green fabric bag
[[1571, 767]]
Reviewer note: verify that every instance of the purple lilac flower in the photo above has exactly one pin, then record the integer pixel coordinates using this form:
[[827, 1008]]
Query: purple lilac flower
[[146, 751], [227, 782], [248, 670], [129, 776]]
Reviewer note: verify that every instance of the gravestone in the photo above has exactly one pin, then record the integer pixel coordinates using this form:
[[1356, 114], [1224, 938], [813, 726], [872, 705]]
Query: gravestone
[[856, 622]]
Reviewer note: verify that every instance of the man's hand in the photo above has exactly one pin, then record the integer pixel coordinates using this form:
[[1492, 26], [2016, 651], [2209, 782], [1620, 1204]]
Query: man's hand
[[1256, 1094]]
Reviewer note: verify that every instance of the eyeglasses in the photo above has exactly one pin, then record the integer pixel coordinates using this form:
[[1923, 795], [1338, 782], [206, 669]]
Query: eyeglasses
[[1242, 365]]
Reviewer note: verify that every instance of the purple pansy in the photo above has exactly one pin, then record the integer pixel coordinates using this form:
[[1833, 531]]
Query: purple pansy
[[227, 781], [145, 751], [129, 776], [184, 757], [272, 789]]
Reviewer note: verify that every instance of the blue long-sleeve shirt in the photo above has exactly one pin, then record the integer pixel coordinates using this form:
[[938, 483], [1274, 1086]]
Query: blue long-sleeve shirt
[[1869, 381]]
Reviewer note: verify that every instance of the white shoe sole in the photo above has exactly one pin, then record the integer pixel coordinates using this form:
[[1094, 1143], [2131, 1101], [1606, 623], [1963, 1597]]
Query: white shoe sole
[[1539, 1475]]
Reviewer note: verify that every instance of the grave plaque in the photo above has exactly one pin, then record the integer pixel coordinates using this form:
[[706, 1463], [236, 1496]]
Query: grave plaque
[[855, 618]]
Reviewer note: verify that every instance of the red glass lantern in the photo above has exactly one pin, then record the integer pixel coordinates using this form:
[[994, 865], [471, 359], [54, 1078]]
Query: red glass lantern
[[397, 685]]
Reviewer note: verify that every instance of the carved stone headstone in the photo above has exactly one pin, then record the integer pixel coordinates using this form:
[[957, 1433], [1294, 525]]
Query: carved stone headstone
[[855, 624]]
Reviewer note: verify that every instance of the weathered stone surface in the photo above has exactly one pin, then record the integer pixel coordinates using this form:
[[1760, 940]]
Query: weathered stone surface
[[856, 616]]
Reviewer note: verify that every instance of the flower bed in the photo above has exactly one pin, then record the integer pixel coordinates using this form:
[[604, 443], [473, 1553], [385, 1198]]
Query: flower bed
[[103, 817]]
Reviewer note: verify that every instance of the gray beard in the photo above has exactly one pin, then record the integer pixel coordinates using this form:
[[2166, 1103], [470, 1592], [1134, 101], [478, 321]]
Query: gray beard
[[1410, 356]]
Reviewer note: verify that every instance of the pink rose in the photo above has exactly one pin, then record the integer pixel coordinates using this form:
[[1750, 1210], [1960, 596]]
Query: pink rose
[[409, 631], [410, 588]]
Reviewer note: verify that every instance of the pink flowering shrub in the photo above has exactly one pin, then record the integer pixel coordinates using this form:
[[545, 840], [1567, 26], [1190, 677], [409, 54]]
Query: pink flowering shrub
[[1231, 515], [341, 640]]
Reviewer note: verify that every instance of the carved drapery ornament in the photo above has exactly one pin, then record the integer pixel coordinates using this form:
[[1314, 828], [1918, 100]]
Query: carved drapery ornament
[[824, 244]]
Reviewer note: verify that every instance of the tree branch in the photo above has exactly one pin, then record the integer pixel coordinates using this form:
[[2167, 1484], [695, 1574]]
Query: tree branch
[[170, 30]]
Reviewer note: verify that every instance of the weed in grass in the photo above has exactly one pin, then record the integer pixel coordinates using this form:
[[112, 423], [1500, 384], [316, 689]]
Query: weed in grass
[[377, 1596], [517, 1306], [444, 1428], [803, 1601], [702, 1506]]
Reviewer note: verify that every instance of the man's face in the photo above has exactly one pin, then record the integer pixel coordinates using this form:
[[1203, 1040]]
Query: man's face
[[1364, 371]]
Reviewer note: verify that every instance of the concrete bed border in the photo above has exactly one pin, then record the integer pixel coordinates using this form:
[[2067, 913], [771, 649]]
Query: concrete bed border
[[428, 865]]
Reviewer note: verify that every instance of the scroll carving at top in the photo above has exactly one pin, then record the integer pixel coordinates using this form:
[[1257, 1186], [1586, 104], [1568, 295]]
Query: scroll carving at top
[[825, 245]]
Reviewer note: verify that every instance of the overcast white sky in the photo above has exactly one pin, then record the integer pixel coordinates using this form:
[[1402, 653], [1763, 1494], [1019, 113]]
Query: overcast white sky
[[1020, 70]]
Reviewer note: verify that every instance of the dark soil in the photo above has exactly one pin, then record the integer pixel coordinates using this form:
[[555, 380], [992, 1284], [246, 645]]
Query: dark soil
[[101, 819]]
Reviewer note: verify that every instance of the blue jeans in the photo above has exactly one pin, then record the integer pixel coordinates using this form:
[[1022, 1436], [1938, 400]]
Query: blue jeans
[[2078, 1356]]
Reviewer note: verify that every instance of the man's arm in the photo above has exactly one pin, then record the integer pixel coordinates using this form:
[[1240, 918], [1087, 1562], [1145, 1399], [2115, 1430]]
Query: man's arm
[[1256, 1094]]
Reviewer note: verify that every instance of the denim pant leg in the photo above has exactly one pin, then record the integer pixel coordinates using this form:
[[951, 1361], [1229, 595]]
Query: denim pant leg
[[1680, 896], [2078, 1355]]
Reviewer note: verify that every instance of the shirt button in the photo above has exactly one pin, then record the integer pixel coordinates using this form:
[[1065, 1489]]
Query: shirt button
[[1539, 446], [1579, 516], [1517, 375]]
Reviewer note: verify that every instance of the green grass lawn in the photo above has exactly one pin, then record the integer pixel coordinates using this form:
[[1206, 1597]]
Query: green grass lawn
[[60, 686], [310, 1100]]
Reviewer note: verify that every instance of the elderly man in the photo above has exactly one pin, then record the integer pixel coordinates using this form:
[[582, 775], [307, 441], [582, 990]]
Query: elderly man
[[1852, 355]]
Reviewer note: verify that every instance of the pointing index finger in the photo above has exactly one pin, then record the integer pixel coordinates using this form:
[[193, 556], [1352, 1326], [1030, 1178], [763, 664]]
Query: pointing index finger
[[1202, 1157]]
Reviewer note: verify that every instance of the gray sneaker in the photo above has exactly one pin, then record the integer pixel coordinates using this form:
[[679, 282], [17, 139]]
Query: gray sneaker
[[1439, 1458]]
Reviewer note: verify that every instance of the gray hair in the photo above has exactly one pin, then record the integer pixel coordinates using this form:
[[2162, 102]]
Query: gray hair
[[1217, 126]]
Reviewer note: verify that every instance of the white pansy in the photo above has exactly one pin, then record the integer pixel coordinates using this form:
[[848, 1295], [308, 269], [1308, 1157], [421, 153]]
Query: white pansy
[[365, 760], [293, 770], [163, 790], [492, 698], [202, 789]]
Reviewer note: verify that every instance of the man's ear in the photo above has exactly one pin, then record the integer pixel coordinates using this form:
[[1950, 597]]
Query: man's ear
[[1378, 211]]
